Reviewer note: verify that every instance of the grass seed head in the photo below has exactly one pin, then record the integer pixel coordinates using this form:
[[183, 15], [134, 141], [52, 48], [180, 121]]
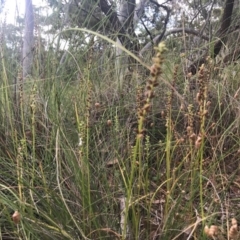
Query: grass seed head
[[16, 217], [97, 105], [109, 122], [211, 232], [198, 142], [233, 231]]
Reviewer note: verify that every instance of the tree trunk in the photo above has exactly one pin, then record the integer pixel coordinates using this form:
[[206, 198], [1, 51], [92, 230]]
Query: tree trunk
[[221, 35], [28, 40]]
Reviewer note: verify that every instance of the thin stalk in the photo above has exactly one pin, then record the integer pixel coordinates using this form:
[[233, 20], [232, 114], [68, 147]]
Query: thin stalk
[[58, 172], [168, 161]]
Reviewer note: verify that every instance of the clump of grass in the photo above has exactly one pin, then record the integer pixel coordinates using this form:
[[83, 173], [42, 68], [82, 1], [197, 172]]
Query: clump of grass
[[75, 168], [136, 182]]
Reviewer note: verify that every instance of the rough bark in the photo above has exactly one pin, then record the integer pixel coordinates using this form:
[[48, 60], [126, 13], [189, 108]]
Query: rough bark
[[85, 13], [123, 27], [126, 15], [117, 26], [139, 10], [126, 18], [28, 39]]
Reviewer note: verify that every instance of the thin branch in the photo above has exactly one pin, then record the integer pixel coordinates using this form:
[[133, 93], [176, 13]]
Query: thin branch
[[173, 31], [148, 32], [159, 37], [188, 31], [221, 35], [208, 18]]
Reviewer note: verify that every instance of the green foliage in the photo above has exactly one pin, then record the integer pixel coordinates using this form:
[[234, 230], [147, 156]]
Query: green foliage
[[82, 158], [74, 168]]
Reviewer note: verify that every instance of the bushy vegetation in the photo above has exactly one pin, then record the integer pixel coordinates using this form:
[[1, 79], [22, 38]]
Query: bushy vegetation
[[80, 160], [85, 157]]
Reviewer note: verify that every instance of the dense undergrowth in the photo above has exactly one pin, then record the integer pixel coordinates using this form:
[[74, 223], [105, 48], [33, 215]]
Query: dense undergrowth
[[84, 158]]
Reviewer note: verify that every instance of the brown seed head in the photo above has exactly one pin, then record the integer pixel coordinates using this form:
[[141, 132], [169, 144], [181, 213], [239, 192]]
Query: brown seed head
[[198, 142], [97, 105], [211, 232], [16, 217], [233, 231]]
